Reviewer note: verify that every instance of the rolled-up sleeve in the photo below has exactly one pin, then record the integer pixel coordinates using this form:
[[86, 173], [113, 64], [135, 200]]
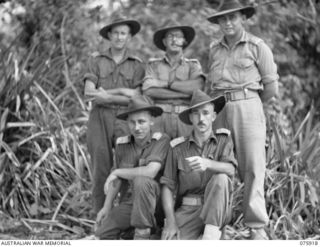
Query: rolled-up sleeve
[[92, 72], [159, 151], [196, 70], [227, 153], [170, 173], [266, 64]]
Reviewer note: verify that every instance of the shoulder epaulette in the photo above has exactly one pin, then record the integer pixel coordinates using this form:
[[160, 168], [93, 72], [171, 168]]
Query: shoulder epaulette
[[223, 131], [95, 54], [254, 39], [157, 135], [154, 59], [214, 43], [123, 140], [194, 60], [137, 58], [177, 141]]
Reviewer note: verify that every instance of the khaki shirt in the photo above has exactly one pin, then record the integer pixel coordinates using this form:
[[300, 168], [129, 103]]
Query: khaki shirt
[[104, 72], [249, 64], [177, 172], [161, 69], [129, 155]]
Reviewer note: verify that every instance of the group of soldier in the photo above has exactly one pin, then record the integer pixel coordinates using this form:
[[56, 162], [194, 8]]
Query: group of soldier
[[164, 147]]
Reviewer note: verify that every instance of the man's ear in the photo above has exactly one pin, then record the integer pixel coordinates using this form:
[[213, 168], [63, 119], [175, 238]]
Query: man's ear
[[164, 42], [109, 35], [214, 116]]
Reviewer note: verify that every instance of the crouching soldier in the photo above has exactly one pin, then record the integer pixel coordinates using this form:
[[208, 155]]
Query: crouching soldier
[[138, 165], [200, 167]]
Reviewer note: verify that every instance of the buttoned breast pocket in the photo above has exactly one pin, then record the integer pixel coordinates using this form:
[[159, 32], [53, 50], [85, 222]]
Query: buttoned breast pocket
[[163, 72], [244, 63], [182, 73], [183, 165], [142, 162], [127, 78], [105, 73]]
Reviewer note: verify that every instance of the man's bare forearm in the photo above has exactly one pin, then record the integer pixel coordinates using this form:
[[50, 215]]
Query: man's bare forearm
[[112, 192], [163, 93], [168, 203], [188, 86]]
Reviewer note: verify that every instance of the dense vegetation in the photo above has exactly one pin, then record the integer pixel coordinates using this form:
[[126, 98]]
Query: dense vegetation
[[44, 166]]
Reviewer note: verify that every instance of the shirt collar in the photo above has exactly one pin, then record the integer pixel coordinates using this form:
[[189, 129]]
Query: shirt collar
[[153, 136], [128, 54], [243, 39], [182, 60], [192, 138]]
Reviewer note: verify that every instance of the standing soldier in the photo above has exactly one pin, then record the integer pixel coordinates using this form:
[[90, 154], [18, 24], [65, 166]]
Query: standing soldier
[[112, 78], [242, 69], [170, 80], [139, 160], [200, 168]]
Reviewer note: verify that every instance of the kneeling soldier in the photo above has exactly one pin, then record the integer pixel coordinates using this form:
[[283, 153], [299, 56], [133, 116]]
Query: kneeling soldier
[[139, 161], [200, 167]]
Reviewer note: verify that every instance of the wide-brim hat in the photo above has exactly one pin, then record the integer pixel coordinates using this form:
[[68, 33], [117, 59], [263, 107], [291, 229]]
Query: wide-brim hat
[[230, 6], [188, 32], [199, 98], [140, 103], [120, 20]]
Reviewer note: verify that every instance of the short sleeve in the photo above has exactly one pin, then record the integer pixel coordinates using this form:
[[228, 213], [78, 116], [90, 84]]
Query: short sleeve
[[170, 174], [266, 64], [92, 72], [159, 151], [151, 72], [227, 151], [195, 69]]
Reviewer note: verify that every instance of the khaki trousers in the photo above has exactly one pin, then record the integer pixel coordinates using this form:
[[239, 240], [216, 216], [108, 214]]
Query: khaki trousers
[[246, 121]]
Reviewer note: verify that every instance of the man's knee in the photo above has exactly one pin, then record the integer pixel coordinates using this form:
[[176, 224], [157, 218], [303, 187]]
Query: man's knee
[[221, 180]]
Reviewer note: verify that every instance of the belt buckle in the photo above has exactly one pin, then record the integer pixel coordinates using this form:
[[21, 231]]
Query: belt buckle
[[228, 95]]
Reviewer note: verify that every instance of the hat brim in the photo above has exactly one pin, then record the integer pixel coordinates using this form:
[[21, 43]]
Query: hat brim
[[134, 27], [188, 32], [248, 11], [218, 103], [155, 111]]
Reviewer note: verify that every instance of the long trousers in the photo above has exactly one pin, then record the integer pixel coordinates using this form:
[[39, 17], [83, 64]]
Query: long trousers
[[103, 129], [138, 212], [246, 121]]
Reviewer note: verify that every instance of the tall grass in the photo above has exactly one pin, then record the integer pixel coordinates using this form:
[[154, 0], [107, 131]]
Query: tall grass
[[44, 169]]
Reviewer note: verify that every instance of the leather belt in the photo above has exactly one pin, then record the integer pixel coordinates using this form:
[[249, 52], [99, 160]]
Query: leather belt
[[192, 201], [240, 94], [172, 108]]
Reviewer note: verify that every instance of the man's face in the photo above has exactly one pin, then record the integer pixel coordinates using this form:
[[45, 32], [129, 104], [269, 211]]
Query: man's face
[[174, 41], [202, 118], [140, 125], [232, 24], [120, 36]]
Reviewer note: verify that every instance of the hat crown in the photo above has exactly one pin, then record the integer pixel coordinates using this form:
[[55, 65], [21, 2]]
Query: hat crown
[[117, 17], [139, 102], [229, 4], [198, 97]]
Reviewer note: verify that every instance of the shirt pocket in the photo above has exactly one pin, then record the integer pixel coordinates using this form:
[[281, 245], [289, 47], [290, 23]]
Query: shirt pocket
[[244, 63], [182, 73], [105, 74], [142, 162], [127, 78], [183, 165], [163, 72]]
